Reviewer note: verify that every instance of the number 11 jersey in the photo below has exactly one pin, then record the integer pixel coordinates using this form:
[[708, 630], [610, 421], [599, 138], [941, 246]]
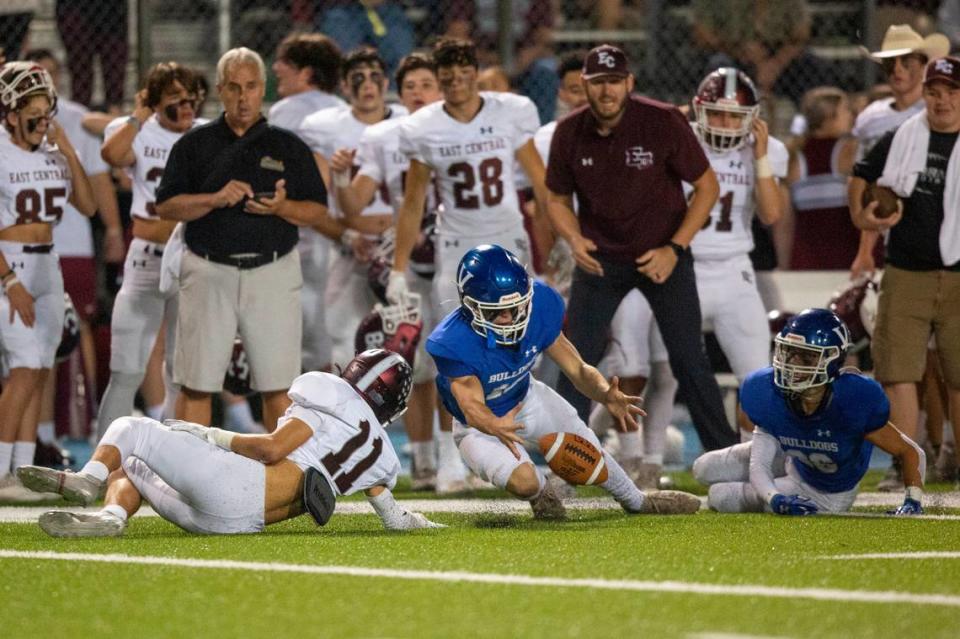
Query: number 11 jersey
[[473, 161]]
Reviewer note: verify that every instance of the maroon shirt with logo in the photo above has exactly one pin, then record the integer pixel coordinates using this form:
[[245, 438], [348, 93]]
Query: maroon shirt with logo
[[628, 184]]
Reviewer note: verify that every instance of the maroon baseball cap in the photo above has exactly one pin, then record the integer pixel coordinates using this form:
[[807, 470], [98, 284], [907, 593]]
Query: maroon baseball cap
[[946, 69], [605, 60]]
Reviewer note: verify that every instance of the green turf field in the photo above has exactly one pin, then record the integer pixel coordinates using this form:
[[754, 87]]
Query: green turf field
[[608, 575]]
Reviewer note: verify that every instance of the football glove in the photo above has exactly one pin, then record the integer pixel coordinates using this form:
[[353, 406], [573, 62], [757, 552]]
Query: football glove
[[396, 287], [410, 521], [792, 505], [909, 507], [187, 427]]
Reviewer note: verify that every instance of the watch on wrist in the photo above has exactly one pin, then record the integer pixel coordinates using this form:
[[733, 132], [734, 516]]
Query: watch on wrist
[[677, 249], [134, 121]]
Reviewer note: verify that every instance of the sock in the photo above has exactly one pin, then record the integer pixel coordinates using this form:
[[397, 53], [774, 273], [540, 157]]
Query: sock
[[6, 454], [238, 417], [155, 412], [620, 486], [96, 469], [46, 432], [116, 510], [448, 448], [23, 453], [631, 444], [422, 453]]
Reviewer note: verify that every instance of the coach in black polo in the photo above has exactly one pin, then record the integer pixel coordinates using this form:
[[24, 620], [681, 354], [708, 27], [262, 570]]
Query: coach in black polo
[[625, 158], [242, 187]]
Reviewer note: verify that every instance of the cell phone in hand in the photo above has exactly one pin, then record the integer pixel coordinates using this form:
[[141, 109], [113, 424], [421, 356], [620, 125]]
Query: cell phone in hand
[[264, 195]]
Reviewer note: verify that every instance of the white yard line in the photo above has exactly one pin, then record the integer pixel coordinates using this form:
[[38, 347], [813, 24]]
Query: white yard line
[[684, 587], [927, 554]]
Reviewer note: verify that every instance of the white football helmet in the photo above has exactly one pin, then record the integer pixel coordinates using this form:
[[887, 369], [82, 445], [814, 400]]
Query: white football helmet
[[19, 80]]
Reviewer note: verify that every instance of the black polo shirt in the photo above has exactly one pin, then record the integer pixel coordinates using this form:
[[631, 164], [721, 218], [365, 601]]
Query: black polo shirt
[[207, 157], [629, 183]]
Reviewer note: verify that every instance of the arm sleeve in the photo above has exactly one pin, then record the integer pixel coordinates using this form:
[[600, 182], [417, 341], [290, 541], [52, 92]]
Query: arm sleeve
[[688, 160], [304, 181], [871, 166], [873, 405], [408, 142], [177, 174], [560, 178], [762, 453]]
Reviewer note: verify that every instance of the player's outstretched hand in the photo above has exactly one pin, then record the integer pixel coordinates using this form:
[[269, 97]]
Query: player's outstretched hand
[[505, 429], [179, 425], [909, 507], [412, 521], [793, 505], [623, 407]]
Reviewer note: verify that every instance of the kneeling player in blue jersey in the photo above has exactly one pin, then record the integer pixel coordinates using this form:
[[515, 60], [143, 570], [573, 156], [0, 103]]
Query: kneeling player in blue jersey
[[816, 426], [484, 351]]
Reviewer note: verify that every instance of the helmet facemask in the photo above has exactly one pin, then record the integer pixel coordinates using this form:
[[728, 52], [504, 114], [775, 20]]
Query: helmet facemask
[[392, 315], [485, 313], [722, 139], [20, 81], [798, 366]]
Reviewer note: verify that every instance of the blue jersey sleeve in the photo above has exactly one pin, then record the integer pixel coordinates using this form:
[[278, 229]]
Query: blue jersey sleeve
[[868, 405], [452, 368], [552, 309], [755, 396]]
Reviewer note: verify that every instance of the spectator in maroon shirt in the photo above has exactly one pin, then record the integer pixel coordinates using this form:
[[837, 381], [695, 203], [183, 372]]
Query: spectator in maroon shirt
[[625, 157]]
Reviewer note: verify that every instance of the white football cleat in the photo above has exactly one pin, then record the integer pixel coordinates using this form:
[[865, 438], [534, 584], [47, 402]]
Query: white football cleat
[[548, 506], [12, 490], [670, 502], [63, 523], [75, 487]]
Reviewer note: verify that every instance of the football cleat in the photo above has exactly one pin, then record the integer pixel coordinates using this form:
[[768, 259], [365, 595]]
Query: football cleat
[[12, 490], [75, 487], [548, 506], [63, 523], [670, 502]]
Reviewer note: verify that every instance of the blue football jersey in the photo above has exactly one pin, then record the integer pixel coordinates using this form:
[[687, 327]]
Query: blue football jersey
[[504, 371], [830, 444]]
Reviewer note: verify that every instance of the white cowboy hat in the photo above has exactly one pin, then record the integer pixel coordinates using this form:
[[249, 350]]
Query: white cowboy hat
[[901, 39]]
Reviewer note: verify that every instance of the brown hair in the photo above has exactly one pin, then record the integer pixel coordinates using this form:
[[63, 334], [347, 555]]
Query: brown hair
[[314, 51], [161, 78], [821, 104]]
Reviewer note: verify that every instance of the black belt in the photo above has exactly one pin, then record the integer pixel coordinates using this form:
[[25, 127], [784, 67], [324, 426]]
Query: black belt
[[38, 248], [243, 262]]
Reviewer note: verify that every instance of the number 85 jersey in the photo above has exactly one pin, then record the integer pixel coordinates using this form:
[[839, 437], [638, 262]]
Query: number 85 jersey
[[473, 161], [349, 445], [829, 447], [34, 186]]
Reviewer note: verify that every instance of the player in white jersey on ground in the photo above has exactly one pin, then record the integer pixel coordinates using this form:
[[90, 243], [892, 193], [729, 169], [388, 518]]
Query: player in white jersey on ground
[[330, 442], [141, 143], [348, 298], [307, 69], [39, 173], [383, 167]]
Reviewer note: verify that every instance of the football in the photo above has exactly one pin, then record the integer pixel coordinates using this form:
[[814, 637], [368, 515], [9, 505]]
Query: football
[[888, 202], [574, 459]]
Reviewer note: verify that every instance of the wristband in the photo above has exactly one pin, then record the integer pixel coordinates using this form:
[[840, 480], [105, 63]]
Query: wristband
[[220, 437], [10, 282], [915, 493], [341, 179], [678, 249], [763, 168], [134, 121], [348, 237]]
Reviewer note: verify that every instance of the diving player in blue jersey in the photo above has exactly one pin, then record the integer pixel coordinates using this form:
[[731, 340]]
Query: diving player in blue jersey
[[484, 351], [816, 425]]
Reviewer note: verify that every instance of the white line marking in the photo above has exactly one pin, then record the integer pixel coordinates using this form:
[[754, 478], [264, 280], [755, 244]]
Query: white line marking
[[927, 554], [730, 635], [776, 592]]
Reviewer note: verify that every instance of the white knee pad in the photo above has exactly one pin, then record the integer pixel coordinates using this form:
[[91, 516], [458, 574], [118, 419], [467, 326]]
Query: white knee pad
[[734, 497]]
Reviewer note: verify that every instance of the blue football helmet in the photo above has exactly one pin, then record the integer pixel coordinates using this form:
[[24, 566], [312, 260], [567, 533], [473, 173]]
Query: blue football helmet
[[809, 350], [492, 280]]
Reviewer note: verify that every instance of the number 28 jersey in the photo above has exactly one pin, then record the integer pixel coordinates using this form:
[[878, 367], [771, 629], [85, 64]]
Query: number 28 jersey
[[34, 185], [151, 148], [349, 446], [473, 162], [727, 232]]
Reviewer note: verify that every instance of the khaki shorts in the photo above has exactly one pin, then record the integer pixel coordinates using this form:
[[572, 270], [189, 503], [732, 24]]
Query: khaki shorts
[[218, 301], [914, 305]]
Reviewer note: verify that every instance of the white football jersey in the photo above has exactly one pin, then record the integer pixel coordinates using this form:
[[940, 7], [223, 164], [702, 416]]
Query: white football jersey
[[473, 162], [73, 237], [542, 139], [34, 185], [727, 232], [331, 129], [349, 445], [151, 148], [290, 112], [878, 118]]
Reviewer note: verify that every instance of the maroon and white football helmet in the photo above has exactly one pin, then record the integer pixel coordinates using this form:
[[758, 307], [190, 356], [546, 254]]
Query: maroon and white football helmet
[[732, 91], [777, 320], [851, 304], [384, 379], [20, 80], [70, 335], [423, 255], [237, 378], [394, 327]]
